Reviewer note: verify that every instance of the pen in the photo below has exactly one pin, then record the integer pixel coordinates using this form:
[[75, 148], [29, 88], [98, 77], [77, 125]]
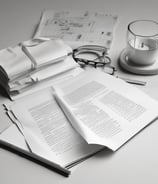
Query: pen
[[133, 81], [35, 158]]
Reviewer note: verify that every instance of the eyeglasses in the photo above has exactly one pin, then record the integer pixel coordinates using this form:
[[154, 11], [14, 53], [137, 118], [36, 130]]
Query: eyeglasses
[[95, 56]]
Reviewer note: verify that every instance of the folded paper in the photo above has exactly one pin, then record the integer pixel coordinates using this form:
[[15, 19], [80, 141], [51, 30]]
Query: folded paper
[[32, 61]]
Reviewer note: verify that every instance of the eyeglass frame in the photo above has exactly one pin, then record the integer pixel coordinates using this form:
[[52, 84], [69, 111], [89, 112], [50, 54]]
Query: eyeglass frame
[[105, 60]]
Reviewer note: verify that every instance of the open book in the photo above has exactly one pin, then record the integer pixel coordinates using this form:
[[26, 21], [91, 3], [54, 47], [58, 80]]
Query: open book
[[82, 115]]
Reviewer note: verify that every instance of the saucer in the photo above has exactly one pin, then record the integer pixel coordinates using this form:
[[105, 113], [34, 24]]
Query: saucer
[[141, 70]]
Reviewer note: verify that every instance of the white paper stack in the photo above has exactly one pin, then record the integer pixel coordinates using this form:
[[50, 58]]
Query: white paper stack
[[32, 61]]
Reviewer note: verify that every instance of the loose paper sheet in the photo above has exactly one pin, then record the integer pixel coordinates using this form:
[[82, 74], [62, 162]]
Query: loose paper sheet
[[105, 110], [78, 27], [47, 130]]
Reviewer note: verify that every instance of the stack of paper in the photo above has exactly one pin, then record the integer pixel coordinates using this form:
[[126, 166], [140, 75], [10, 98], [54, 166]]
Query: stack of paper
[[27, 63]]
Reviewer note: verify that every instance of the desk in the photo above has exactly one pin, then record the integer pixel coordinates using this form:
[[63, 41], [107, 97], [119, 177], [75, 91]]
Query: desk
[[137, 161]]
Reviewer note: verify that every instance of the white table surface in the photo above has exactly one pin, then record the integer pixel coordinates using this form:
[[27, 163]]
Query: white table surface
[[137, 161]]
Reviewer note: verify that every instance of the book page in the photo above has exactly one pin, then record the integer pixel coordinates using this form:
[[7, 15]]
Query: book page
[[105, 110], [47, 130]]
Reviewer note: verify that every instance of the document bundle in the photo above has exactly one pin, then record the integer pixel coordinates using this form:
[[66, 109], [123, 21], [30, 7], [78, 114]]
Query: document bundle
[[80, 116], [30, 62]]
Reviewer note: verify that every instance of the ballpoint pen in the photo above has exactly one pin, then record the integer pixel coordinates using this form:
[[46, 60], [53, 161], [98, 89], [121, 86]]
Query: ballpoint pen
[[35, 158], [133, 81]]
